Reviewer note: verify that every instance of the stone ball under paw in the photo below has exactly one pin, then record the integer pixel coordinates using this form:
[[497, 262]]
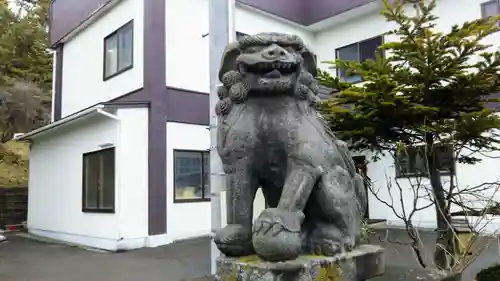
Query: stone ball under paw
[[284, 246], [276, 234], [234, 241]]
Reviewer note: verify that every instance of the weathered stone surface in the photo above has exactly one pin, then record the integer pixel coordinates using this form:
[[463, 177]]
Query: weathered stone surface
[[362, 263], [393, 273], [271, 136]]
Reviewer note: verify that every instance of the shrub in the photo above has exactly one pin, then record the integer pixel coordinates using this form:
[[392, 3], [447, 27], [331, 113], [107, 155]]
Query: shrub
[[491, 273]]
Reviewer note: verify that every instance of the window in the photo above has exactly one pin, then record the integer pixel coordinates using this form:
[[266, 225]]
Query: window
[[413, 162], [191, 176], [118, 51], [490, 8], [360, 51], [99, 181]]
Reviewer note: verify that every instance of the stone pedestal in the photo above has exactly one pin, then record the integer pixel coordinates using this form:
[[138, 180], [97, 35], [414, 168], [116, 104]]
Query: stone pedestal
[[364, 262]]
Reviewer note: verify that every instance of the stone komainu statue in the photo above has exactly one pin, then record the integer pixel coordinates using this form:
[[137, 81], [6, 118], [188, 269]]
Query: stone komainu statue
[[271, 136]]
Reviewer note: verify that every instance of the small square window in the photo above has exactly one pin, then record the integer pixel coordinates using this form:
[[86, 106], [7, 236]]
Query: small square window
[[412, 163], [192, 176], [490, 8], [99, 181], [359, 51], [118, 51]]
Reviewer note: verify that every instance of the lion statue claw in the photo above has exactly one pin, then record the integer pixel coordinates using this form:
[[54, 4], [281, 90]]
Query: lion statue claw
[[270, 136]]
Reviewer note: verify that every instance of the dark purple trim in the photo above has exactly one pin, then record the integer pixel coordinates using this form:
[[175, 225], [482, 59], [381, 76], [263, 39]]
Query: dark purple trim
[[186, 106], [67, 15], [324, 9], [154, 86], [57, 95], [292, 10]]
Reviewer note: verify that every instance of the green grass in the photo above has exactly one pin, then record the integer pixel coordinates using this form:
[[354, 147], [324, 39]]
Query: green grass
[[14, 164]]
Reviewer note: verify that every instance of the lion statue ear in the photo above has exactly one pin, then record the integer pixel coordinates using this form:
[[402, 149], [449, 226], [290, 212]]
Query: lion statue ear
[[310, 64], [229, 57]]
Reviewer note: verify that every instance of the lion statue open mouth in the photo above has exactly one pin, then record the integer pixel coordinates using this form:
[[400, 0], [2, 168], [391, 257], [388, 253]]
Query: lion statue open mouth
[[270, 136]]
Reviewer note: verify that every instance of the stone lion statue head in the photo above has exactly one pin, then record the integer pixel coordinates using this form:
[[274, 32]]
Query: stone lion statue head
[[266, 64]]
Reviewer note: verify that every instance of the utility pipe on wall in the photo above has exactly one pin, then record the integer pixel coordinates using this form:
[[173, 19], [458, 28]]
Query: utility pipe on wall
[[221, 32]]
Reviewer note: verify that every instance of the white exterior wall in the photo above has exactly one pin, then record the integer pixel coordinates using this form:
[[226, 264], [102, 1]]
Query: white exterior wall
[[373, 25], [182, 136], [185, 220], [187, 63], [132, 181], [55, 193], [187, 58], [83, 60]]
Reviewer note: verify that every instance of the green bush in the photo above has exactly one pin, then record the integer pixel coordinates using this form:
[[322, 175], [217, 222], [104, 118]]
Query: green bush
[[491, 273]]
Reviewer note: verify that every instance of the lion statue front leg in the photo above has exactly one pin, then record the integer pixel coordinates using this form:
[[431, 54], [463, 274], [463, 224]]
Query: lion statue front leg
[[277, 231], [238, 159]]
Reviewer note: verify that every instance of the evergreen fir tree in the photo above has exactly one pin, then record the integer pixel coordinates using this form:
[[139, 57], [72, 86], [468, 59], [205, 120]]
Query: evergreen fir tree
[[426, 87]]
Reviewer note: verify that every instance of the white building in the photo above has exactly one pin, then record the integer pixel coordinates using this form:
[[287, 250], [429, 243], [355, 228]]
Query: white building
[[124, 163]]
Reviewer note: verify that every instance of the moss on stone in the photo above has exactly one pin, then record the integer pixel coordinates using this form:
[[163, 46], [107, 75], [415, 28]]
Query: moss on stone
[[250, 259], [329, 272]]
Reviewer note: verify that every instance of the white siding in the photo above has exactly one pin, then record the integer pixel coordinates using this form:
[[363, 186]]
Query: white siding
[[373, 25], [132, 166], [191, 137], [187, 58], [185, 220], [55, 193], [83, 83]]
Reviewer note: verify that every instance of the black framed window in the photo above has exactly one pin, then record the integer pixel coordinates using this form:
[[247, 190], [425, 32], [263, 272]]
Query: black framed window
[[99, 181], [359, 51], [490, 8], [412, 162], [119, 51], [191, 176]]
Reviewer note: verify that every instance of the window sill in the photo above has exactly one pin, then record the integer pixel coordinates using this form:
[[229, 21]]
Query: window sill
[[443, 174], [350, 82], [106, 78], [374, 221], [195, 200], [98, 211]]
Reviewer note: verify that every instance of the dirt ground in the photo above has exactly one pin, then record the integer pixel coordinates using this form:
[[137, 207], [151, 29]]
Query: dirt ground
[[23, 259]]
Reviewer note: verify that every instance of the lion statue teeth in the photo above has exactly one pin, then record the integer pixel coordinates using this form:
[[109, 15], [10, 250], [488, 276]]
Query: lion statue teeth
[[270, 136]]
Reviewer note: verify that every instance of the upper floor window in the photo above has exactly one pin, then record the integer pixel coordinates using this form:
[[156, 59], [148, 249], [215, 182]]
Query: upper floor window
[[412, 162], [118, 50], [490, 8], [359, 51]]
